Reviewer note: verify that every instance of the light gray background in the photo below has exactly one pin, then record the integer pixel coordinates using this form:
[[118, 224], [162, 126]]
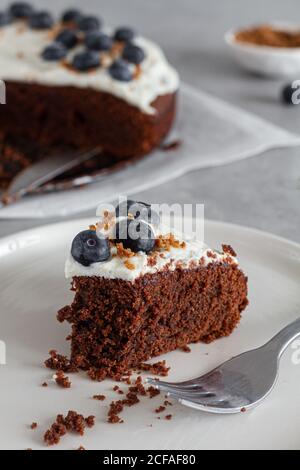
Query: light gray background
[[261, 192]]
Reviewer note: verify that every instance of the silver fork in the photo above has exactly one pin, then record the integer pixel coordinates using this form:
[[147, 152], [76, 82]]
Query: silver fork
[[237, 385]]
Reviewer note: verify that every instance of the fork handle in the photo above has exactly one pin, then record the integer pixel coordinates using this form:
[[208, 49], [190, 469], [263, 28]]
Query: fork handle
[[283, 339]]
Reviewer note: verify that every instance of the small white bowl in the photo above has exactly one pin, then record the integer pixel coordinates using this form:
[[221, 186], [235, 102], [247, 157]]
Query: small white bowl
[[280, 62]]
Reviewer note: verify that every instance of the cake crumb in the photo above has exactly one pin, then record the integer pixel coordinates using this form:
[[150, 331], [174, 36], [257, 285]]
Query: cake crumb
[[62, 380], [138, 387], [59, 362], [160, 409], [114, 419], [131, 399], [116, 407], [65, 314], [168, 403], [186, 349], [81, 448], [168, 417], [158, 368], [72, 422], [99, 397], [33, 425], [53, 435], [117, 389], [243, 410], [44, 384], [153, 392], [90, 421]]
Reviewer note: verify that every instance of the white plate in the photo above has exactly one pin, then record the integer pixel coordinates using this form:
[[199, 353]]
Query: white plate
[[33, 288], [280, 62]]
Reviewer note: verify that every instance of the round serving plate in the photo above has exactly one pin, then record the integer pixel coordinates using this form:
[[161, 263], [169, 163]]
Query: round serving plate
[[33, 288]]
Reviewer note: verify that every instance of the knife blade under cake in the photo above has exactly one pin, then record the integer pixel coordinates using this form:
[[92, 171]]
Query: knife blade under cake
[[43, 171]]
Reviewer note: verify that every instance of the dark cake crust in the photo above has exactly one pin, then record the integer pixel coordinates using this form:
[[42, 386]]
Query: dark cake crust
[[117, 324]]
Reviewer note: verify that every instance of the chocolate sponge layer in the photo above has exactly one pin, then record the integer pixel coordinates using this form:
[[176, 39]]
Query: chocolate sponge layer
[[66, 116], [118, 324]]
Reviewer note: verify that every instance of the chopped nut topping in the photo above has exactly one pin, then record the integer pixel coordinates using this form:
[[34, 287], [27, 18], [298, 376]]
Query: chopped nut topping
[[137, 71], [129, 265], [108, 220], [124, 252], [165, 242], [116, 50], [106, 59]]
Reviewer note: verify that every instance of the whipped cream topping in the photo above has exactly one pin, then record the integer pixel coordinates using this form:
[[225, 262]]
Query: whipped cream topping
[[21, 61], [192, 254]]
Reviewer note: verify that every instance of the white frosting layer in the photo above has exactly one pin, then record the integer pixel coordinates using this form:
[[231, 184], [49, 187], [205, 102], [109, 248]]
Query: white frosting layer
[[114, 268], [20, 60]]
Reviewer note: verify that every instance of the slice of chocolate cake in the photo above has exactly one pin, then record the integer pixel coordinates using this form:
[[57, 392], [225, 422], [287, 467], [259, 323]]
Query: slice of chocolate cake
[[74, 84], [141, 291]]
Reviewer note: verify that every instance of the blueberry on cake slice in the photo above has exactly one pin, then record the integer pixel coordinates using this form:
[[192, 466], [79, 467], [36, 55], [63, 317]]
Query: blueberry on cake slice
[[73, 83], [141, 291]]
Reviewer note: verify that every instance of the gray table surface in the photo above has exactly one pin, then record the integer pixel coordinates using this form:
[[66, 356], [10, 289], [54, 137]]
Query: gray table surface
[[261, 192]]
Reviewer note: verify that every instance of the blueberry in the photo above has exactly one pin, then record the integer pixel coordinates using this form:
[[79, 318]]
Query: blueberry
[[133, 54], [55, 51], [5, 18], [41, 20], [86, 60], [71, 15], [136, 235], [89, 23], [21, 10], [139, 210], [68, 38], [124, 34], [289, 94], [98, 41], [88, 248], [119, 70]]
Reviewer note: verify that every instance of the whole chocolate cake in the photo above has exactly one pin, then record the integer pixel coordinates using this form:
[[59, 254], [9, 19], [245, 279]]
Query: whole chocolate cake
[[73, 83], [141, 290]]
